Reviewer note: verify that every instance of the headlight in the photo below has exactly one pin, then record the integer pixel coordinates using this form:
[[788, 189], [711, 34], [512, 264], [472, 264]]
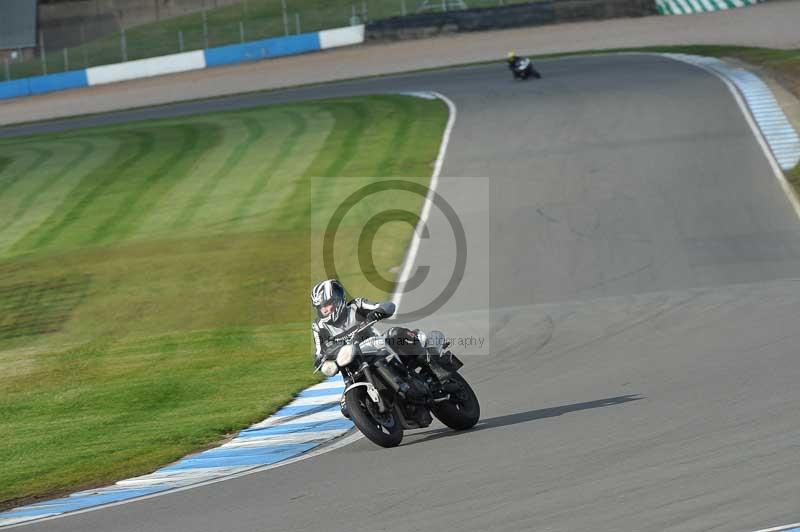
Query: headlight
[[345, 356], [329, 368]]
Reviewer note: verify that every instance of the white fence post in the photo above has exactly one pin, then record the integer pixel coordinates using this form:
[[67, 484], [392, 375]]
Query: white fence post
[[42, 53], [123, 44], [285, 18]]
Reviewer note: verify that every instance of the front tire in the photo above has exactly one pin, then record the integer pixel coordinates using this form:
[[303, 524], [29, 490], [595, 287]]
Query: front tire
[[382, 429], [463, 410]]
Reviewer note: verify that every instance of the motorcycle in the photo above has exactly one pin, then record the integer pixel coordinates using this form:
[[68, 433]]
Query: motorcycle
[[523, 68], [385, 395]]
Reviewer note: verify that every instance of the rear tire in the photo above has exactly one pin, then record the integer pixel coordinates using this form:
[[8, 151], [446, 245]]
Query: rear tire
[[382, 429], [463, 410]]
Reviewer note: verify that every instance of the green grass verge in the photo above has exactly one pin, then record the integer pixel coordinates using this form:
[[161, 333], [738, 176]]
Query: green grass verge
[[154, 276], [251, 19], [794, 177]]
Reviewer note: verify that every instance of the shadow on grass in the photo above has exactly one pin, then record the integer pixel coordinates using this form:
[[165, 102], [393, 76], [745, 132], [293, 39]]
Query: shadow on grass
[[36, 308], [525, 417]]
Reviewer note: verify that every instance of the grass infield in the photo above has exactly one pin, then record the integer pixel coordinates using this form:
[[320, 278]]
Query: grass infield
[[154, 276]]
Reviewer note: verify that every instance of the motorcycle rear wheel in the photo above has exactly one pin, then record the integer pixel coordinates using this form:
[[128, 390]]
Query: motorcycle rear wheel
[[382, 429], [461, 412]]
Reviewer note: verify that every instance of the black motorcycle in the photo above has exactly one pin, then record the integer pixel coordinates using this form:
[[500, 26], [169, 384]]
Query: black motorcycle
[[522, 68], [387, 392]]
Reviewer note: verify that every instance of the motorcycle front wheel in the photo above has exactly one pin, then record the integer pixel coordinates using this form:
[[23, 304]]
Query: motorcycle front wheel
[[462, 411], [382, 429]]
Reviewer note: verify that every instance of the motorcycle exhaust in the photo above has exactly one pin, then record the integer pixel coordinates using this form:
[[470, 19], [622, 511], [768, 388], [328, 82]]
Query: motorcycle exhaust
[[391, 378]]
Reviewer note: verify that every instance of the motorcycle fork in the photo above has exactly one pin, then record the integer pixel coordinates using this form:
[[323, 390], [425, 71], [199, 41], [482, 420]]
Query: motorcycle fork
[[368, 374]]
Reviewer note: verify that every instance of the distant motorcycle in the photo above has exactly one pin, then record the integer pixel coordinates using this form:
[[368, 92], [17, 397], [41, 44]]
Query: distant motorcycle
[[386, 393], [522, 68]]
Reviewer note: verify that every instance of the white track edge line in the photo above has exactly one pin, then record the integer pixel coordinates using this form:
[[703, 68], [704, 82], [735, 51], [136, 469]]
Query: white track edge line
[[776, 169], [411, 255], [354, 435], [777, 528]]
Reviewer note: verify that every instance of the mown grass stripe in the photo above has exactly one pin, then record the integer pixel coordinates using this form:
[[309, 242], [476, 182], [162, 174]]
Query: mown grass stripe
[[42, 156], [391, 161], [348, 143], [255, 131], [141, 199], [349, 123], [134, 146], [28, 200], [299, 128], [4, 163]]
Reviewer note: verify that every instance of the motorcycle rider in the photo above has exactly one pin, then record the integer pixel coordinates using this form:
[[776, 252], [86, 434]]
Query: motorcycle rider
[[514, 61], [335, 314]]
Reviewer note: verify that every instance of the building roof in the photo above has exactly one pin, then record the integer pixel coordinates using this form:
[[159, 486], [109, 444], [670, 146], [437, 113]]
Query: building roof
[[17, 24]]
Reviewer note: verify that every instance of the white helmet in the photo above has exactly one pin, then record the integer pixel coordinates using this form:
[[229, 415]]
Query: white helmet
[[326, 293]]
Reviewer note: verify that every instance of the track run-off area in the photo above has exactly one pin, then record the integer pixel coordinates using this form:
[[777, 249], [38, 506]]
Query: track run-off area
[[634, 264]]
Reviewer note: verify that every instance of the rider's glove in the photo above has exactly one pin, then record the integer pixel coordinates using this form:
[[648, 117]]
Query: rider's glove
[[377, 314]]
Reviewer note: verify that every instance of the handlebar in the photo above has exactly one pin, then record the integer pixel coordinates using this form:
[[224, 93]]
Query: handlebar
[[351, 333]]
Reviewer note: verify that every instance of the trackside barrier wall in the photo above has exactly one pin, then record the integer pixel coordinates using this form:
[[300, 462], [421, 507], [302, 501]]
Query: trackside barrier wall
[[253, 51], [43, 84], [143, 68], [15, 88], [683, 7], [341, 37], [58, 82], [170, 64]]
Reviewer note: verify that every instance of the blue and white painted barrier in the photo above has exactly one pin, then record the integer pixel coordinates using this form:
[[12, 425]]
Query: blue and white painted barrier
[[312, 419], [144, 68], [265, 49], [42, 84], [197, 60], [341, 37]]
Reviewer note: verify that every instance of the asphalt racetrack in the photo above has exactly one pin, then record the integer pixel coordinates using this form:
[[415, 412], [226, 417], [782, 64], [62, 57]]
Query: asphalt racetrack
[[630, 259]]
